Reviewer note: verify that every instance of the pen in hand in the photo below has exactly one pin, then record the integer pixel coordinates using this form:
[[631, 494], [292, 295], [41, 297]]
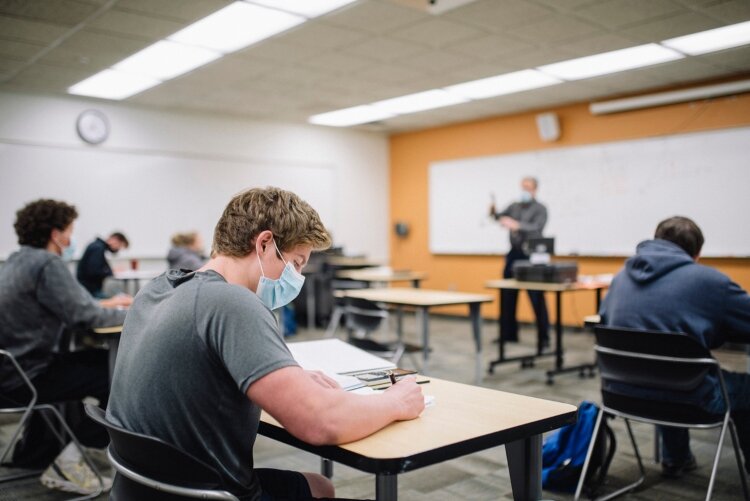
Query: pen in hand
[[393, 378]]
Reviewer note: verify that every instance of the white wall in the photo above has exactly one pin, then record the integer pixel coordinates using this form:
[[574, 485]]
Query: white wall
[[38, 133]]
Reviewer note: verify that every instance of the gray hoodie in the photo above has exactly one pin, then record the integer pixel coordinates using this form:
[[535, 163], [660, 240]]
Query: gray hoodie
[[39, 297]]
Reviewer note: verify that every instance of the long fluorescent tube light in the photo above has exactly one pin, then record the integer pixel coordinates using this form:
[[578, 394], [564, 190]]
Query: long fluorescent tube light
[[672, 97], [508, 83], [350, 116], [726, 37], [111, 84], [236, 26], [411, 103], [307, 8], [611, 62], [164, 60]]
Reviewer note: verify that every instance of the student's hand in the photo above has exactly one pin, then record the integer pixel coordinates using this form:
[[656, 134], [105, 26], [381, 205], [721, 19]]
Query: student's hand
[[323, 380], [118, 301], [509, 223], [407, 395]]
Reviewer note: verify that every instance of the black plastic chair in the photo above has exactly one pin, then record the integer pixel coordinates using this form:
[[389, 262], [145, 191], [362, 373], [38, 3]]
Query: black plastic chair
[[664, 361], [149, 468], [8, 406], [362, 318]]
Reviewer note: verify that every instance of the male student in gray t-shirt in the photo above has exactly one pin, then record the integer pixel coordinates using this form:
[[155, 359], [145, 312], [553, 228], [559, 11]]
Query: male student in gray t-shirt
[[201, 354]]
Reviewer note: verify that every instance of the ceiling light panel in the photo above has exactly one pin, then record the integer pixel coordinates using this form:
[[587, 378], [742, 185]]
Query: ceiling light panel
[[111, 84], [420, 101], [164, 60], [611, 62], [726, 37], [307, 8], [508, 83], [236, 26], [350, 116]]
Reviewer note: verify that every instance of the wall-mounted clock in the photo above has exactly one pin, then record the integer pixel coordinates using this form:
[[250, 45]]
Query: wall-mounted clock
[[93, 126]]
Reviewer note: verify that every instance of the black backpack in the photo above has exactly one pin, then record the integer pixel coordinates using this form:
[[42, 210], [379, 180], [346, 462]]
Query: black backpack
[[564, 453]]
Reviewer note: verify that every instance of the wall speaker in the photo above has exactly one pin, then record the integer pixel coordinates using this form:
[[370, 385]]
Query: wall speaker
[[548, 126]]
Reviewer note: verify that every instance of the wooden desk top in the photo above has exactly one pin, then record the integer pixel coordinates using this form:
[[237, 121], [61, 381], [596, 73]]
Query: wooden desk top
[[376, 275], [408, 296], [464, 419], [344, 261], [512, 283], [115, 329]]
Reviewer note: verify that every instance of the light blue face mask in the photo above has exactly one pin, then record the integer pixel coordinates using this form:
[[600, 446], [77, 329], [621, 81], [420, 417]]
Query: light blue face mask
[[277, 293], [67, 252], [525, 196]]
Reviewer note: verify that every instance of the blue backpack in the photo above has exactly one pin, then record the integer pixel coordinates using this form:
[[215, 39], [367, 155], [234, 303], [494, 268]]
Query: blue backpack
[[564, 453]]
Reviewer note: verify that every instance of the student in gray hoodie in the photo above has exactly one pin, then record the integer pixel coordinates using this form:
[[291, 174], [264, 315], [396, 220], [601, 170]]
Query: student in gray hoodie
[[39, 298], [663, 288], [186, 252]]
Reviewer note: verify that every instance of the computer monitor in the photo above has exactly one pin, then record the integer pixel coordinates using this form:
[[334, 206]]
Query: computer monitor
[[544, 245]]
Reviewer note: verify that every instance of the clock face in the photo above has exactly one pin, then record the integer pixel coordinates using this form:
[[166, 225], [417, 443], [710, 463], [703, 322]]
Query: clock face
[[92, 126]]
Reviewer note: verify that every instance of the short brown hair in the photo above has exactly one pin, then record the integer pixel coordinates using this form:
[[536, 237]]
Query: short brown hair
[[184, 239], [36, 220], [291, 220], [121, 237], [683, 232]]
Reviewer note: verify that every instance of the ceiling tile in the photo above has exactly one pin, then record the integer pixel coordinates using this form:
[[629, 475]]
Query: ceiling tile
[[390, 73], [322, 36], [737, 59], [62, 12], [87, 49], [496, 16], [376, 17], [597, 45], [491, 46], [279, 50], [621, 13], [228, 70], [687, 70], [8, 66], [534, 58], [21, 51], [180, 10], [565, 5], [553, 30], [30, 31], [435, 61], [479, 70], [732, 11], [136, 25], [336, 62], [437, 32], [672, 26], [49, 78], [384, 49]]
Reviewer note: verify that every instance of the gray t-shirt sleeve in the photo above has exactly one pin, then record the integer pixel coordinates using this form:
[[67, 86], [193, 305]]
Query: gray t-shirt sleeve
[[242, 333]]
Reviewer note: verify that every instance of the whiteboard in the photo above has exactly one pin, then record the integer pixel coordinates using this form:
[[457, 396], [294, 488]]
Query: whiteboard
[[602, 199], [146, 196]]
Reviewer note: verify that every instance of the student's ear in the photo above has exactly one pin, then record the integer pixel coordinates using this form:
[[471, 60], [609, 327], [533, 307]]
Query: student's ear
[[262, 241]]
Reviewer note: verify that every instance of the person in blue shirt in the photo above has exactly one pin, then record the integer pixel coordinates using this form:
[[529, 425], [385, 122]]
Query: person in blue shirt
[[663, 288], [93, 267]]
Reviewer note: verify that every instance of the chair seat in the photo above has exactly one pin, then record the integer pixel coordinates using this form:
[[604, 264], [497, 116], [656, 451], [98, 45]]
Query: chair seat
[[674, 412]]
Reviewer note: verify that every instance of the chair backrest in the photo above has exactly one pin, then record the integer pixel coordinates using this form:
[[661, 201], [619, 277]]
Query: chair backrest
[[156, 459], [674, 363], [363, 315]]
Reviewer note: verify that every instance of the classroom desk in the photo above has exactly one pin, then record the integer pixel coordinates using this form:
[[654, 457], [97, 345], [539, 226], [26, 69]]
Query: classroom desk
[[376, 276], [558, 289], [464, 419], [423, 300], [134, 277], [343, 262]]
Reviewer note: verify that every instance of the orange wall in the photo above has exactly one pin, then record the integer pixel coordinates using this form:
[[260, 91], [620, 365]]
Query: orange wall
[[411, 154]]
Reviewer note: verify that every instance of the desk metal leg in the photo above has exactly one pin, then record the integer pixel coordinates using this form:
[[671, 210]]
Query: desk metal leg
[[476, 330], [558, 331], [386, 487], [423, 319], [525, 466], [326, 467]]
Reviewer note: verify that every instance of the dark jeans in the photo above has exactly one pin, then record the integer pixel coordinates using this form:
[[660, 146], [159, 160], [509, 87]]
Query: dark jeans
[[676, 441], [69, 378], [510, 300]]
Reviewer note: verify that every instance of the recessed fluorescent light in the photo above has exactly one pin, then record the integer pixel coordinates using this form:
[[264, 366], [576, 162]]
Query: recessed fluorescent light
[[708, 41], [111, 84], [611, 62], [307, 8], [164, 60], [503, 84], [236, 26], [420, 101], [350, 116]]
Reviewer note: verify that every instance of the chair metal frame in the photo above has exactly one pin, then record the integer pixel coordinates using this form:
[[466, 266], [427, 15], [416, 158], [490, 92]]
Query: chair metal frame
[[25, 411], [129, 472], [724, 422]]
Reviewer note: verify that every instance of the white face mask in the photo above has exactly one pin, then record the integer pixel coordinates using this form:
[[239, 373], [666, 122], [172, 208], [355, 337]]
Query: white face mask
[[280, 292]]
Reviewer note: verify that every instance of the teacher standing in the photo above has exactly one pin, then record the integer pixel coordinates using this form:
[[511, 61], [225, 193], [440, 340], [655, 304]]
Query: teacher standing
[[525, 219]]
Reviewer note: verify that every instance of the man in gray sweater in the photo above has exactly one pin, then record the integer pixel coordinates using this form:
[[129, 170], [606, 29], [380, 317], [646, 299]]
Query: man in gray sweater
[[39, 299]]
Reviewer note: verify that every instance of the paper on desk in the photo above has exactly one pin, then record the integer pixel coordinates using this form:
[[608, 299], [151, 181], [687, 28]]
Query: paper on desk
[[429, 400]]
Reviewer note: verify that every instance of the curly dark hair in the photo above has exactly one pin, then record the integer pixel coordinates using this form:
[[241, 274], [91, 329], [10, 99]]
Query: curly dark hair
[[36, 220]]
